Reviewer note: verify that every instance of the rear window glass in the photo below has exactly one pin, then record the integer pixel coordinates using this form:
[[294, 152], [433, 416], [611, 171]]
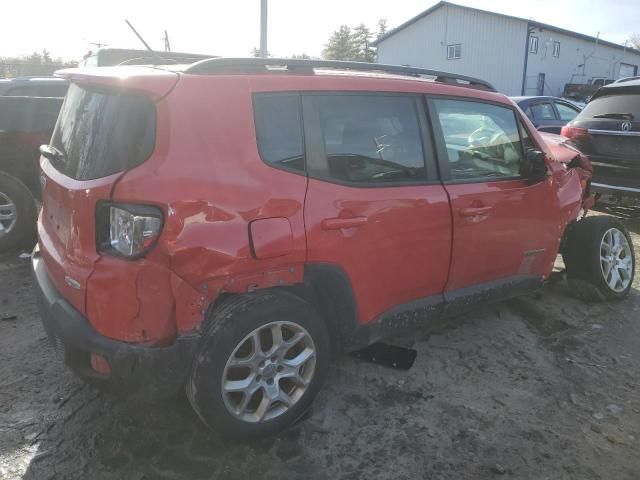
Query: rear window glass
[[101, 132], [279, 130], [613, 104]]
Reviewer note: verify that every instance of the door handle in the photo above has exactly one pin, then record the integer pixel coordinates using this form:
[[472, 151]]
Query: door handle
[[474, 211], [338, 223]]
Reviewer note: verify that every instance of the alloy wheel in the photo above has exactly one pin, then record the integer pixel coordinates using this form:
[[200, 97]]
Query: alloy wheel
[[616, 261], [268, 372], [8, 214]]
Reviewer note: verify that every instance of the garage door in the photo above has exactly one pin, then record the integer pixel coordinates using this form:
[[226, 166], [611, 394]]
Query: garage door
[[627, 70]]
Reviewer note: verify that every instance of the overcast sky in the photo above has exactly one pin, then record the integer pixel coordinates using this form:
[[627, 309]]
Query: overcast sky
[[231, 28]]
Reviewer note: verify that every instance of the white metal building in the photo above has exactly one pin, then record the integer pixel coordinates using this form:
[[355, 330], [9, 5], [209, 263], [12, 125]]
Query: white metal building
[[518, 56]]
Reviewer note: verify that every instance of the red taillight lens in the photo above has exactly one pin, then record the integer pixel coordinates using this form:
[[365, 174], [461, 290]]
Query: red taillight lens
[[574, 133]]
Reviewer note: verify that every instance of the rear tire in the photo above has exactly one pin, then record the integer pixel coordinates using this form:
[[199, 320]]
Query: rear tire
[[18, 213], [599, 258], [244, 391]]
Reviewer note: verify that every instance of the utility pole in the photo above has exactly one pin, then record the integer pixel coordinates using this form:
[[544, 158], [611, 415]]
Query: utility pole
[[263, 29], [167, 45]]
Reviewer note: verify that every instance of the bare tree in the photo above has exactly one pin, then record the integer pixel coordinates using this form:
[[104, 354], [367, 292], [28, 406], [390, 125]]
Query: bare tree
[[634, 40]]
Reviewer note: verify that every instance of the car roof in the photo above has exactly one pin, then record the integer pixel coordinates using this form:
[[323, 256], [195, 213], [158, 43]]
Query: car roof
[[154, 79], [533, 97], [621, 88]]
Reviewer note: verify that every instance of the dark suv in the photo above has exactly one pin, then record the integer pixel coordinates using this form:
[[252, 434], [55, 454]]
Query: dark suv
[[608, 132], [225, 226]]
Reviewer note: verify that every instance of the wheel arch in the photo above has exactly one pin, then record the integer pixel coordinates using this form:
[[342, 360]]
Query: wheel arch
[[328, 289]]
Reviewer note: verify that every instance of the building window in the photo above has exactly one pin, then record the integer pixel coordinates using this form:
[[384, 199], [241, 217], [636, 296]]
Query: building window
[[454, 51], [533, 44], [556, 49]]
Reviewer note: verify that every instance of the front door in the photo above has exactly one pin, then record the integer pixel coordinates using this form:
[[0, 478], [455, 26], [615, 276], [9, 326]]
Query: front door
[[504, 230], [374, 206]]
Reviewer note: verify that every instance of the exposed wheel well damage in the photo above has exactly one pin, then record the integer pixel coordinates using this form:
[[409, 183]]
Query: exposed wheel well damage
[[328, 289]]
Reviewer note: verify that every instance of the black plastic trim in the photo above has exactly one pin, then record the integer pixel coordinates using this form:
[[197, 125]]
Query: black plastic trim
[[404, 319], [260, 65]]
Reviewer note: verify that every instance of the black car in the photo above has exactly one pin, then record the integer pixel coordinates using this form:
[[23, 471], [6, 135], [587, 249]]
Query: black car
[[548, 114], [25, 124], [608, 132]]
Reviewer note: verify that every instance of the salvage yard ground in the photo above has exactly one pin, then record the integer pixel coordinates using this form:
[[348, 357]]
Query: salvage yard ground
[[542, 387]]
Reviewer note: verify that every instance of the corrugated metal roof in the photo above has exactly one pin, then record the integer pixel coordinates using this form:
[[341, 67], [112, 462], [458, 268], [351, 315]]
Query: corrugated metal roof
[[544, 26]]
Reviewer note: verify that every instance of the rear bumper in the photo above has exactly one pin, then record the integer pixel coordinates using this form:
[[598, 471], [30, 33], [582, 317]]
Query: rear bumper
[[136, 370]]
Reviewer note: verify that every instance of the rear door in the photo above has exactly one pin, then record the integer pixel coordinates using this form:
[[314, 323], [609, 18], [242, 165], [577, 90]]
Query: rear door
[[100, 133], [565, 113], [504, 230], [374, 206]]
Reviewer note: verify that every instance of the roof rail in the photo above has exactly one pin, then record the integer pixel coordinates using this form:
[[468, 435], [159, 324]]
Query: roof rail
[[262, 65], [627, 79]]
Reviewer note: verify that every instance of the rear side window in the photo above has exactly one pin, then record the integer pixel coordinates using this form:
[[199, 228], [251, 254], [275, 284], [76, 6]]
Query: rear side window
[[102, 132], [370, 138], [279, 130], [629, 103], [566, 112], [482, 140]]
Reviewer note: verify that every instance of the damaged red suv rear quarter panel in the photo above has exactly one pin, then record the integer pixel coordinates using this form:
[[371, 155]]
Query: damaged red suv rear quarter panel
[[206, 149]]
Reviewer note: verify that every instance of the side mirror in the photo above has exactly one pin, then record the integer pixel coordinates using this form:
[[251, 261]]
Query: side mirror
[[534, 168]]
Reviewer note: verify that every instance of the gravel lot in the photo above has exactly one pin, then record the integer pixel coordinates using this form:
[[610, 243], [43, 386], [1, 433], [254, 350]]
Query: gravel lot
[[542, 387]]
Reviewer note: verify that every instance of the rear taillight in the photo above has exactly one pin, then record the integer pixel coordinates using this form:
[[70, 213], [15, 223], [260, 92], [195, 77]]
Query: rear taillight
[[127, 230], [574, 133]]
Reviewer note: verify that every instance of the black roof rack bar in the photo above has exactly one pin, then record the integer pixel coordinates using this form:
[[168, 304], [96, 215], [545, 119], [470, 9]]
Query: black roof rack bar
[[224, 65]]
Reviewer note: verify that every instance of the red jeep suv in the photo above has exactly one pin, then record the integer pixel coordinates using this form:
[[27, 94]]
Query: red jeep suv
[[223, 226]]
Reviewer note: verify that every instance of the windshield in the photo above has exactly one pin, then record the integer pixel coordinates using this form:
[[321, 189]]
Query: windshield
[[601, 107], [102, 132]]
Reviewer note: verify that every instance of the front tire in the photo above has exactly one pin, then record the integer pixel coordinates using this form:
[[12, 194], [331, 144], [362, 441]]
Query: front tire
[[600, 259], [18, 213], [262, 361]]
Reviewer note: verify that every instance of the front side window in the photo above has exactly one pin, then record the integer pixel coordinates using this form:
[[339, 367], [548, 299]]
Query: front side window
[[370, 138], [533, 44], [556, 49], [454, 51], [482, 140], [543, 111], [279, 130]]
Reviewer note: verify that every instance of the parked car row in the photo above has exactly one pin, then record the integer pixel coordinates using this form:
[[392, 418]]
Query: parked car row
[[548, 114], [608, 132], [28, 112]]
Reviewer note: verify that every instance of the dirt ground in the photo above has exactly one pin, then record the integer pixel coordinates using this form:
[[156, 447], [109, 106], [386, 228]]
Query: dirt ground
[[542, 387]]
